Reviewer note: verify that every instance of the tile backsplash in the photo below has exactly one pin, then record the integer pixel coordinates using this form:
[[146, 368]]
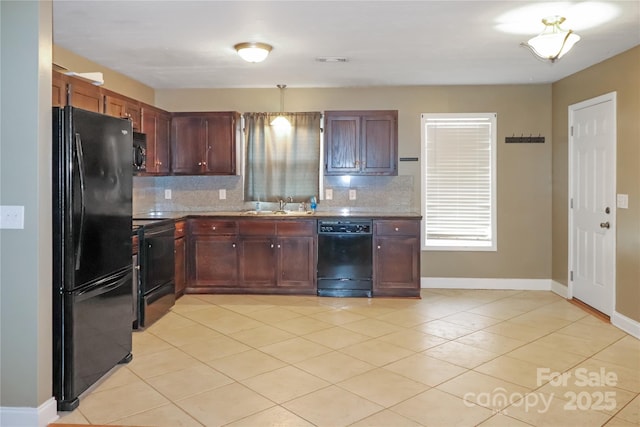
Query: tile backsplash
[[202, 193]]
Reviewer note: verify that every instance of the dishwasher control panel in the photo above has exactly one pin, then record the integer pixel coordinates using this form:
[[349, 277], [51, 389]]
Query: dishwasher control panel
[[344, 226]]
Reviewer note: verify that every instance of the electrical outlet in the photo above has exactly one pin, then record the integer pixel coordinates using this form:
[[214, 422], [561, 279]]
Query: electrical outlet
[[222, 194], [167, 194], [12, 217], [328, 193], [352, 194]]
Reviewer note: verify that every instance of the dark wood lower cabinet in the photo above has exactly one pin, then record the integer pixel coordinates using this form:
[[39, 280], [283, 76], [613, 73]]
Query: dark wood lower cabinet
[[215, 263], [257, 262], [180, 251], [296, 263], [396, 258], [252, 256], [279, 256]]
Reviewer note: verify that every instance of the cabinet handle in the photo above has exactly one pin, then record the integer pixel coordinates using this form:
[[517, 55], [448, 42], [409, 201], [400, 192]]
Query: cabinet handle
[[356, 163], [204, 163], [159, 163], [213, 227], [397, 229], [272, 246], [233, 245], [378, 246], [278, 246], [199, 163]]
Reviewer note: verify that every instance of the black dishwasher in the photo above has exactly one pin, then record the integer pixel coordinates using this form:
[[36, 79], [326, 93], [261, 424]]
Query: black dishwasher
[[345, 258]]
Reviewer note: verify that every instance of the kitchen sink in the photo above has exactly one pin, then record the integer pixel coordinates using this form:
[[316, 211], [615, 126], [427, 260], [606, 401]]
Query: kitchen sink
[[278, 213]]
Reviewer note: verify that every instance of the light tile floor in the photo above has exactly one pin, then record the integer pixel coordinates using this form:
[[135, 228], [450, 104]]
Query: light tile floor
[[452, 358]]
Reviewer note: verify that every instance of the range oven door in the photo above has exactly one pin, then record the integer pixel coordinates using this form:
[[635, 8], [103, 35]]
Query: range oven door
[[157, 284]]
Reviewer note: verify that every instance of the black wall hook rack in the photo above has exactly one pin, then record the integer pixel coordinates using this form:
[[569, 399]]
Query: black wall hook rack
[[524, 139]]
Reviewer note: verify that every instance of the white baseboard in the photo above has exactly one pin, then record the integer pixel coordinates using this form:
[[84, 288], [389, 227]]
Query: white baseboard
[[560, 289], [628, 325], [483, 283], [41, 416]]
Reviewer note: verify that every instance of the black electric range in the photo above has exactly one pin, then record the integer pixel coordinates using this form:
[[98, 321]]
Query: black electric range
[[156, 287]]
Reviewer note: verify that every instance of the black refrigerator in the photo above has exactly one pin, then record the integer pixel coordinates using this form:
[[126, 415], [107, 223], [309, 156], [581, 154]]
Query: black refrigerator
[[92, 264]]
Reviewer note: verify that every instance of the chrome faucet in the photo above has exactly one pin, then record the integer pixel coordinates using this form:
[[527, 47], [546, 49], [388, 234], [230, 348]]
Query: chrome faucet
[[283, 203]]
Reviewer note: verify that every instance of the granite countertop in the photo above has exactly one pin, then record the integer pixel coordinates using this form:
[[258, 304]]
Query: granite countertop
[[344, 213]]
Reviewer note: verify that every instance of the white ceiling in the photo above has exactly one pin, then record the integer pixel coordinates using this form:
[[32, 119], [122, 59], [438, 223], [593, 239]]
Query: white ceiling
[[189, 44]]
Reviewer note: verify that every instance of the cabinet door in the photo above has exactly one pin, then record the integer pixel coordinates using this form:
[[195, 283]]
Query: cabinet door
[[296, 262], [58, 90], [180, 258], [215, 261], [257, 261], [161, 153], [156, 124], [379, 144], [85, 95], [342, 152], [133, 112], [187, 144], [220, 144], [115, 106], [118, 106], [396, 266]]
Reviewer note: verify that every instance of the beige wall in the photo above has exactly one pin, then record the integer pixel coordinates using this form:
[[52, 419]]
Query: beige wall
[[622, 75], [25, 180], [112, 80], [524, 170]]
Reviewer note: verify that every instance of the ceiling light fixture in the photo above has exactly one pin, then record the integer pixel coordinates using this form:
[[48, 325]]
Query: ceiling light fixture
[[281, 121], [253, 52], [553, 42]]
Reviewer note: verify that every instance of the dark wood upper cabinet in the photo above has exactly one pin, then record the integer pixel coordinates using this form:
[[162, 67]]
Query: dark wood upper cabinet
[[361, 142], [58, 90], [204, 143], [84, 95], [156, 124], [117, 105]]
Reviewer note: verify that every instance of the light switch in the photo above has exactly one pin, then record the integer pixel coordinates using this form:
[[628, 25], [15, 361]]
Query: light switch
[[167, 194], [328, 193], [352, 194], [622, 201], [222, 194], [12, 217]]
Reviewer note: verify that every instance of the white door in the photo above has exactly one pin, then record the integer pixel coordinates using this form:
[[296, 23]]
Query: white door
[[592, 150]]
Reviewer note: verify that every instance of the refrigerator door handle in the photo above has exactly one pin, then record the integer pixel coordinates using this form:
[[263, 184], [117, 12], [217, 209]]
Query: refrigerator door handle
[[81, 170]]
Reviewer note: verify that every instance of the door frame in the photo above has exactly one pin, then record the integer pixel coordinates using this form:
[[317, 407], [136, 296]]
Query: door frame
[[608, 97]]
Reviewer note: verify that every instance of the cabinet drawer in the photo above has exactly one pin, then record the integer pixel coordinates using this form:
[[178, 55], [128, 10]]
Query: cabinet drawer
[[180, 226], [397, 228], [213, 227], [296, 228], [257, 228]]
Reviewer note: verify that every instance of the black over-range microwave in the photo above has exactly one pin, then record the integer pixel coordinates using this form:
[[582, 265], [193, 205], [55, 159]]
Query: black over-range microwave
[[139, 152]]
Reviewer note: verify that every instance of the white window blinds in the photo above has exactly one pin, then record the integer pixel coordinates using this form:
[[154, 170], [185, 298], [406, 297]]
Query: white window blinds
[[459, 181]]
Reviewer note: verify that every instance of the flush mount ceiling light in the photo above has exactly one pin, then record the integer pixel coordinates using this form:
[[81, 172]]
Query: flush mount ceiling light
[[281, 121], [253, 52], [553, 42]]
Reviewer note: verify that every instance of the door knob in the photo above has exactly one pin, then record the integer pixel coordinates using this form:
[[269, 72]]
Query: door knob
[[605, 225]]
